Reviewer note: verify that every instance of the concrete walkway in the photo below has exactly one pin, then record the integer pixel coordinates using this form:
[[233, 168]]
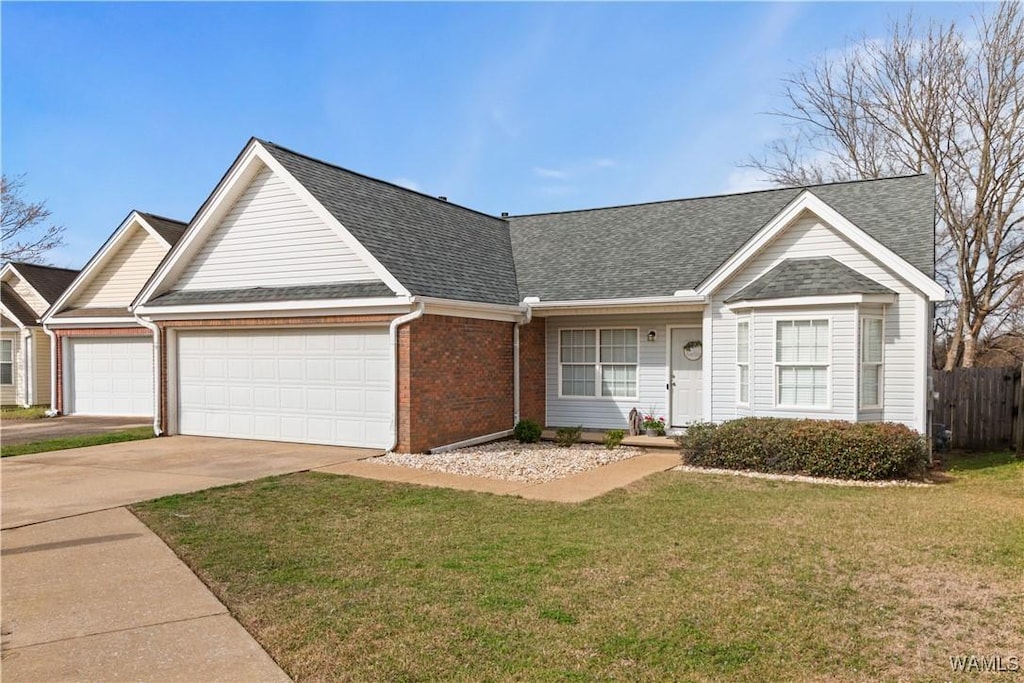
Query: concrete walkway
[[89, 593], [572, 489]]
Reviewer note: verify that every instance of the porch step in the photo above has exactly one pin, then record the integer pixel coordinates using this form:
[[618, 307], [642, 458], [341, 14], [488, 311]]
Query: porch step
[[642, 441]]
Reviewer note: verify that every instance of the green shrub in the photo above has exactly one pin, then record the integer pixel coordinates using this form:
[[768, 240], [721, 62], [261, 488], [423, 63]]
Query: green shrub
[[567, 436], [527, 431], [614, 437], [819, 448]]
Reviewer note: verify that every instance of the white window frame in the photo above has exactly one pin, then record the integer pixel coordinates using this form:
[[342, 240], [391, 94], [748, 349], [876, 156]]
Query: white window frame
[[598, 396], [879, 364], [740, 321], [827, 406], [10, 352]]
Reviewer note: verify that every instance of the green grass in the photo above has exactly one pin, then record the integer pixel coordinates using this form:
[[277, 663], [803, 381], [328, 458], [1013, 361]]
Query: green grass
[[133, 434], [680, 577], [19, 413]]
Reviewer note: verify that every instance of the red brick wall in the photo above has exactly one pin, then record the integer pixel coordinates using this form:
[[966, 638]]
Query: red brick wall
[[532, 372], [455, 380], [90, 332]]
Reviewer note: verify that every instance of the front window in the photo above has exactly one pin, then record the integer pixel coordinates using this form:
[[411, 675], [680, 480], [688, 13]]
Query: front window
[[596, 362], [802, 363], [6, 362], [743, 360], [871, 351]]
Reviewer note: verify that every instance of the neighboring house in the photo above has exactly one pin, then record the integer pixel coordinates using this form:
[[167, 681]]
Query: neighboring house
[[103, 359], [26, 291], [309, 303]]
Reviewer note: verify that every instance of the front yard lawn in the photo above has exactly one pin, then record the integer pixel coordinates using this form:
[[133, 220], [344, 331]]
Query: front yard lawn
[[680, 577], [133, 434]]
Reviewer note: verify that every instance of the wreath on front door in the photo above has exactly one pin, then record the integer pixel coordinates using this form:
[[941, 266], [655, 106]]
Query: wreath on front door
[[692, 350]]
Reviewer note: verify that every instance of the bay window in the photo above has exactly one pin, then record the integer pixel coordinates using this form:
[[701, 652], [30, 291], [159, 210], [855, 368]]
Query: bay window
[[802, 351]]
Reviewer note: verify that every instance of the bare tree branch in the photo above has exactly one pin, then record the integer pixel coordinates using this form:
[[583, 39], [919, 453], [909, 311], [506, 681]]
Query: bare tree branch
[[25, 233]]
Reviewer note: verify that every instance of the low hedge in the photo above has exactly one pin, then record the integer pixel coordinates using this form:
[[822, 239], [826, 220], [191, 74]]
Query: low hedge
[[819, 448]]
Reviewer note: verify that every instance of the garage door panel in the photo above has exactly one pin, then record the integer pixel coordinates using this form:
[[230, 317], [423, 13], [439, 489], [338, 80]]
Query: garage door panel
[[311, 386], [109, 376]]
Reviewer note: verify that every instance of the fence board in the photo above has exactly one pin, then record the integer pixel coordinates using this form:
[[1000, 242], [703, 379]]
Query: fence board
[[981, 406]]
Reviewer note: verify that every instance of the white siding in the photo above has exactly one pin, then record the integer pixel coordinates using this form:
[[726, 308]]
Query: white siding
[[904, 362], [652, 371], [126, 270], [272, 238], [42, 366]]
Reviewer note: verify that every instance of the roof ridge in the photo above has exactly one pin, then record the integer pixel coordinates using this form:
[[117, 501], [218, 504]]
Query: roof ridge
[[444, 202], [721, 195], [163, 218], [42, 265]]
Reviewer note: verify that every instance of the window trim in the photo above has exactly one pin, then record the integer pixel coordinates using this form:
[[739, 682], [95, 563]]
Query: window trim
[[776, 404], [740, 320], [598, 396], [10, 362], [861, 363]]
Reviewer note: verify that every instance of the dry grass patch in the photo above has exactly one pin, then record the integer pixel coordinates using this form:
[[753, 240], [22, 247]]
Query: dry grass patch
[[681, 577]]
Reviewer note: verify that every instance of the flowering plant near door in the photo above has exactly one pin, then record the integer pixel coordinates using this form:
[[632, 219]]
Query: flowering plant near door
[[655, 426]]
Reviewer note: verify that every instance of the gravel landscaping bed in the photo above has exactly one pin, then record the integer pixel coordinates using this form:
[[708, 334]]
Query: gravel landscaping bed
[[514, 461]]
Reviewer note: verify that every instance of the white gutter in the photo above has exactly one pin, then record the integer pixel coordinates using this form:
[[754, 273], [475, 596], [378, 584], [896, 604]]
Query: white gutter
[[27, 360], [527, 317], [54, 340], [393, 336], [157, 378], [682, 297]]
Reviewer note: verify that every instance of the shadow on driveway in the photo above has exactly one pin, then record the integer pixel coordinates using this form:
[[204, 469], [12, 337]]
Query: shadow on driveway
[[14, 431]]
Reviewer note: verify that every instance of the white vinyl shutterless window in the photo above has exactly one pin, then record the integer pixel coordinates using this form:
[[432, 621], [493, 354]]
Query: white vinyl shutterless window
[[872, 350], [743, 361], [6, 362], [598, 363], [802, 363]]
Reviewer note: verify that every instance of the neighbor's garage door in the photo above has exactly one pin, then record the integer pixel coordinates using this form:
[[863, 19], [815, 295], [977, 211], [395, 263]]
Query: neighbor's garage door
[[110, 376], [309, 386]]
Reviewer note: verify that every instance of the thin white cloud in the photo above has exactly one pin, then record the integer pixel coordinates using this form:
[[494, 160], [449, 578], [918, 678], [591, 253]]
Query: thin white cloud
[[745, 180], [604, 163], [550, 173], [408, 183]]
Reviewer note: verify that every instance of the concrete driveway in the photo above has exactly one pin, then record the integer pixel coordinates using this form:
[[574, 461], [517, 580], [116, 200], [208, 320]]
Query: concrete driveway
[[89, 593], [14, 431]]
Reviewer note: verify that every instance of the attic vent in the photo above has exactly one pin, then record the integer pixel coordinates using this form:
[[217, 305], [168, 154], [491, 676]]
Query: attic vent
[[504, 214], [442, 197]]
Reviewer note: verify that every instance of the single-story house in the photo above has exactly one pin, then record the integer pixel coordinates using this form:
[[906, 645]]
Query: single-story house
[[26, 291], [309, 303], [103, 362]]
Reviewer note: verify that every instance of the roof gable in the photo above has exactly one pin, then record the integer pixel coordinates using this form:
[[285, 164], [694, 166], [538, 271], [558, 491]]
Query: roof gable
[[48, 282], [434, 248], [802, 277], [118, 270], [13, 304], [659, 248]]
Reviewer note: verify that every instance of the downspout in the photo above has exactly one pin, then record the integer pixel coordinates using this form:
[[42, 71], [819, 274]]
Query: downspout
[[157, 378], [393, 337], [527, 317], [54, 340], [27, 362]]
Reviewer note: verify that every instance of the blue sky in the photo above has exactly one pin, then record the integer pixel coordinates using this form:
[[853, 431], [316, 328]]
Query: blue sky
[[501, 107]]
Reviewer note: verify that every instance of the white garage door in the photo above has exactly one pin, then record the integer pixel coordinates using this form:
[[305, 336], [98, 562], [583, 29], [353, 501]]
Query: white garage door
[[110, 376], [308, 386]]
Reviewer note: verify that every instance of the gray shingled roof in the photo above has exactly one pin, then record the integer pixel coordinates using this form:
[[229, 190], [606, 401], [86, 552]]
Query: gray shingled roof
[[434, 248], [342, 290], [49, 281], [95, 312], [808, 277], [656, 249], [170, 229], [16, 305]]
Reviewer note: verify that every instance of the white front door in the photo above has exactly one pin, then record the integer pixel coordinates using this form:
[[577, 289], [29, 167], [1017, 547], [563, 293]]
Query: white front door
[[687, 358]]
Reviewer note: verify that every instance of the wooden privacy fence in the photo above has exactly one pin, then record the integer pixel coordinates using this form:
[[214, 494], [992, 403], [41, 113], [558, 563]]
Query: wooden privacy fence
[[981, 406]]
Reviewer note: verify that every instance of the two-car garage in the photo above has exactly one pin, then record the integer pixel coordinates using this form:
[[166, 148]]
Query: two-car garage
[[308, 385]]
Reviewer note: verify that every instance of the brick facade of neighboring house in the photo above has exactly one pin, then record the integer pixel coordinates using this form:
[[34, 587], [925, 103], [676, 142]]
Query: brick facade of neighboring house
[[455, 380], [88, 332]]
